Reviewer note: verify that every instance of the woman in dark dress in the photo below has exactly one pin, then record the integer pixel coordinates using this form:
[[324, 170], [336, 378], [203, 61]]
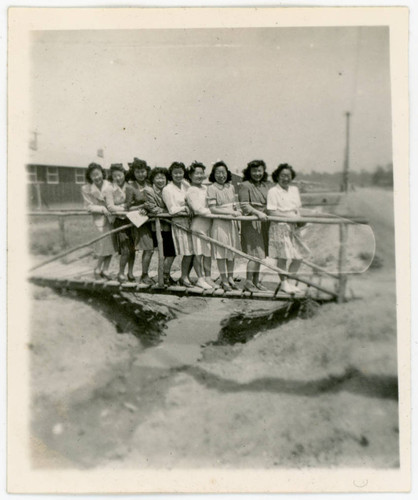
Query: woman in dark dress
[[154, 205], [135, 200], [252, 194]]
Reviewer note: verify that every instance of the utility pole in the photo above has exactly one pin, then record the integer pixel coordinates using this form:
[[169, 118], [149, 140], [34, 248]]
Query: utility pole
[[347, 153]]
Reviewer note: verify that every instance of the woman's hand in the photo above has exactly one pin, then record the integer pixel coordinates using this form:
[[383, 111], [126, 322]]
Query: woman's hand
[[105, 211], [237, 213], [262, 216]]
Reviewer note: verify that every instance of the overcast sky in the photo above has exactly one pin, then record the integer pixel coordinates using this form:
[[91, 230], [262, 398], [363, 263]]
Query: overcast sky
[[279, 94]]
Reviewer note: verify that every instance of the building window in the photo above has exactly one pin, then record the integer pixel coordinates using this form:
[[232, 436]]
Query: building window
[[80, 177], [32, 177], [52, 175]]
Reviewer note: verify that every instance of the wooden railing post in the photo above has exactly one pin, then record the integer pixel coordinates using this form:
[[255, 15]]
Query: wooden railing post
[[160, 253], [342, 258], [61, 222]]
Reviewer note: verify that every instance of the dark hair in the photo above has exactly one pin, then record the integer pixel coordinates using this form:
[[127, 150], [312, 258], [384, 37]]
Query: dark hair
[[116, 167], [176, 164], [282, 166], [137, 164], [158, 170], [217, 165], [246, 173], [90, 168], [192, 169]]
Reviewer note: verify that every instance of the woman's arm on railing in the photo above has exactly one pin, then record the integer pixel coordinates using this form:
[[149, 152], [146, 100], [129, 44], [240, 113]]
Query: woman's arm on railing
[[89, 203]]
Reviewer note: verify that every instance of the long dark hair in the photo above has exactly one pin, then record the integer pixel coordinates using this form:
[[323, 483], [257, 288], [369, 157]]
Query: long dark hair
[[217, 165], [246, 173]]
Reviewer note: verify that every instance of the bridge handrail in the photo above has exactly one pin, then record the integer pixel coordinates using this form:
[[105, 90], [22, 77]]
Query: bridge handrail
[[311, 219]]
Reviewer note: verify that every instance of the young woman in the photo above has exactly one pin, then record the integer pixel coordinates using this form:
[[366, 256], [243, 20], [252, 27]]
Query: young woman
[[94, 201], [154, 205], [115, 199], [221, 201], [174, 196], [252, 194], [197, 201], [135, 200], [285, 245]]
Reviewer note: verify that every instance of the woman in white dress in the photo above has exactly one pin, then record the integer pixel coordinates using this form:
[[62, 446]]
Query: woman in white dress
[[285, 245], [174, 196], [94, 202], [197, 201]]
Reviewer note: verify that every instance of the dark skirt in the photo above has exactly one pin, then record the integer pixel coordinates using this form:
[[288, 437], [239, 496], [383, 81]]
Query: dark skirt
[[168, 243], [124, 240], [255, 238], [143, 237]]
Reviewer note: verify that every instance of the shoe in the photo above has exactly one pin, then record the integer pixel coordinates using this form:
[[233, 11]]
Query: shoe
[[250, 287], [261, 287], [226, 286], [185, 283], [232, 284], [287, 287], [201, 283], [211, 283], [106, 275], [131, 277], [168, 281], [297, 290], [122, 278], [146, 280]]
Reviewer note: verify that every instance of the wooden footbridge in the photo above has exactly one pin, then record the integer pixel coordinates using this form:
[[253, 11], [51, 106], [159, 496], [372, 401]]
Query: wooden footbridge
[[322, 286]]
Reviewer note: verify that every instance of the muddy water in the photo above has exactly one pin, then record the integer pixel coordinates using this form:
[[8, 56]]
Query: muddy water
[[185, 336]]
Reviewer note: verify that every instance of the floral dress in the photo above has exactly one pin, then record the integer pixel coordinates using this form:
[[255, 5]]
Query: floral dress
[[225, 231], [284, 238], [196, 198]]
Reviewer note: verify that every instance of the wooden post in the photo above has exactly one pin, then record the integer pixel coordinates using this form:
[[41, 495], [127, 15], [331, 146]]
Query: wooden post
[[342, 257], [61, 222], [160, 253]]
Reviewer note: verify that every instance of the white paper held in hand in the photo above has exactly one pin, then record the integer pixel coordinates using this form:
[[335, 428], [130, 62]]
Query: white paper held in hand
[[136, 218]]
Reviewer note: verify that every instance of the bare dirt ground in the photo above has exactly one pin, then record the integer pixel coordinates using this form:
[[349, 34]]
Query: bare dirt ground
[[308, 393]]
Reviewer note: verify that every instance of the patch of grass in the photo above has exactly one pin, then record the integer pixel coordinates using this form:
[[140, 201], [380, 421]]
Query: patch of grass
[[45, 237]]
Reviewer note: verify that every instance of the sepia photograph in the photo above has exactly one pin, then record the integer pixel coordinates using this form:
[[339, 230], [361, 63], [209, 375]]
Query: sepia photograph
[[207, 249]]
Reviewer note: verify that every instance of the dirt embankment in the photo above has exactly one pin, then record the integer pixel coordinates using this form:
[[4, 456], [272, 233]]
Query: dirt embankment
[[321, 392]]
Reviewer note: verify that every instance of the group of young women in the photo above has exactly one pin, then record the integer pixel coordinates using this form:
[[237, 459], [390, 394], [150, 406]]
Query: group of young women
[[180, 192]]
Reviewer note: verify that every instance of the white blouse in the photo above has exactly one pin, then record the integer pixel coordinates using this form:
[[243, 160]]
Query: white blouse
[[197, 201], [174, 198], [288, 202]]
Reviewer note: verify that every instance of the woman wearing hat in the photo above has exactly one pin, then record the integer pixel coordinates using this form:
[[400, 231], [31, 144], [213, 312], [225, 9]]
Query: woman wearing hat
[[135, 200], [94, 202], [115, 198]]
